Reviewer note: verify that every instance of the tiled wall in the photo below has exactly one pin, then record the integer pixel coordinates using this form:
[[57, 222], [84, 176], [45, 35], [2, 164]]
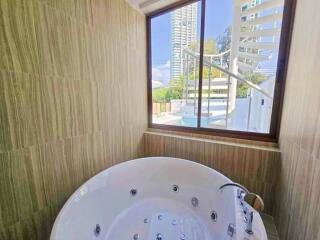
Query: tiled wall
[[256, 167], [297, 211], [72, 102]]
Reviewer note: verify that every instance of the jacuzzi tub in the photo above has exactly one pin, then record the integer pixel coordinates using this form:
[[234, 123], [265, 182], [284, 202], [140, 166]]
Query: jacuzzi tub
[[156, 199]]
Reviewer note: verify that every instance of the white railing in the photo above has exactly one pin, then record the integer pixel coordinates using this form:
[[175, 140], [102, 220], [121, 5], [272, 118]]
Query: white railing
[[226, 71], [211, 85]]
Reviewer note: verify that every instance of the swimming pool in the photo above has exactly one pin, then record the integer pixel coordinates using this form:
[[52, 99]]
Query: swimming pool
[[192, 122]]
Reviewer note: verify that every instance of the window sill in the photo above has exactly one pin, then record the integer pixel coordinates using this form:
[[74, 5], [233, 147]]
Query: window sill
[[199, 136]]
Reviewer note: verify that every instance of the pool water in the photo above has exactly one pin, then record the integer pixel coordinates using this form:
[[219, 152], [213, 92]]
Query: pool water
[[192, 122]]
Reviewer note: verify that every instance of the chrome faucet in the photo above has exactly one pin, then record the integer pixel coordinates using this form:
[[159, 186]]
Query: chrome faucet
[[242, 191], [234, 185], [245, 196]]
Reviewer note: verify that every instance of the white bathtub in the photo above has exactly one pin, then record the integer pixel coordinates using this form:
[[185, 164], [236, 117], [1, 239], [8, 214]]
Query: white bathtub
[[154, 198]]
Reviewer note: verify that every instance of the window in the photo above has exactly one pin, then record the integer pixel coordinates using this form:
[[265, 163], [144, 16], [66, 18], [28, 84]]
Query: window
[[218, 66]]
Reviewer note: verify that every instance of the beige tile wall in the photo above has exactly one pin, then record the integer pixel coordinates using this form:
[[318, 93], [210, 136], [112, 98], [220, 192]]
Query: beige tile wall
[[297, 211], [256, 167], [72, 102]]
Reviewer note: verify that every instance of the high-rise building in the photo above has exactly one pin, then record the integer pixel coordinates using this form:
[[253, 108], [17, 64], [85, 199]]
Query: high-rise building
[[183, 34]]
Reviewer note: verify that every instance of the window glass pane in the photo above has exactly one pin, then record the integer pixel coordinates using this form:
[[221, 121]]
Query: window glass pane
[[175, 69], [240, 61]]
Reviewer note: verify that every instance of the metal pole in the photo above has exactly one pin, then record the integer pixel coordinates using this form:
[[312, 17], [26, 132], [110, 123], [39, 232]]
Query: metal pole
[[249, 111], [187, 78], [228, 95], [209, 90], [220, 65], [195, 85]]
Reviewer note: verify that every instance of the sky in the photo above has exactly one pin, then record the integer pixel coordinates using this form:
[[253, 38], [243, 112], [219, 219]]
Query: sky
[[218, 18]]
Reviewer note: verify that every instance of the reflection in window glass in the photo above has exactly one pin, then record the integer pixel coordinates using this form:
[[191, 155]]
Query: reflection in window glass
[[240, 60], [175, 76]]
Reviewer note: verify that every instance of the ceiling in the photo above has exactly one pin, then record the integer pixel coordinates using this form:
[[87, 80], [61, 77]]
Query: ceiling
[[148, 6]]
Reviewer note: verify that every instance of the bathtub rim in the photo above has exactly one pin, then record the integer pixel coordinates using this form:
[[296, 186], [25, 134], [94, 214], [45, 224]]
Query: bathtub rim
[[53, 234]]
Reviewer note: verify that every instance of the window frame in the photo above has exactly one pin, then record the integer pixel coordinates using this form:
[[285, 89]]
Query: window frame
[[281, 74]]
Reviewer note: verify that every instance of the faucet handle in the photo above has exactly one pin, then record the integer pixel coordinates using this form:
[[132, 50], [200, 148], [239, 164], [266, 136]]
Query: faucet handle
[[255, 201], [252, 199]]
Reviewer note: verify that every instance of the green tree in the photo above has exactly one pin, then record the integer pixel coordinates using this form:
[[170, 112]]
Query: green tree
[[224, 40], [209, 46], [255, 78], [166, 94], [176, 88], [224, 43], [159, 95], [214, 73]]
